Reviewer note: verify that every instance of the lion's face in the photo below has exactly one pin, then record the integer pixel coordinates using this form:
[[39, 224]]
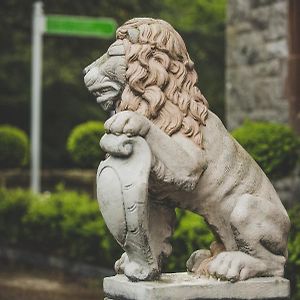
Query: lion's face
[[148, 70], [105, 77]]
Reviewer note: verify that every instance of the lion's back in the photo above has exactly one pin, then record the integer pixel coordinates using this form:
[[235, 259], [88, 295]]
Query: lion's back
[[231, 171]]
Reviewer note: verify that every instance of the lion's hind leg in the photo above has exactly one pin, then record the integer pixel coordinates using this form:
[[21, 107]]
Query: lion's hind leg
[[260, 229]]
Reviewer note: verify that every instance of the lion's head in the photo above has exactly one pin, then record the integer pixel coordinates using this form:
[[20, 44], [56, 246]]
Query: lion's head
[[148, 70]]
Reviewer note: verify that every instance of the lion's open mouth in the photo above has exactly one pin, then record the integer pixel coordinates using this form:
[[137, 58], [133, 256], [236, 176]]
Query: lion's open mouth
[[106, 95]]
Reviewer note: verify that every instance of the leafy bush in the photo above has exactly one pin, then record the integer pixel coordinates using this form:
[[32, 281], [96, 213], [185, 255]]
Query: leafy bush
[[69, 224], [13, 147], [83, 144], [14, 205], [275, 147], [64, 223]]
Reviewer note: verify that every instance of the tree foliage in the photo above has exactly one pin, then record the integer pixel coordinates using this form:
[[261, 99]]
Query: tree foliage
[[66, 101]]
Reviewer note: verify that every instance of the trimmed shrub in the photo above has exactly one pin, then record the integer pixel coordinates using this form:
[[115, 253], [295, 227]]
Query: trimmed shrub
[[72, 225], [275, 147], [69, 224], [13, 147], [64, 223], [83, 144]]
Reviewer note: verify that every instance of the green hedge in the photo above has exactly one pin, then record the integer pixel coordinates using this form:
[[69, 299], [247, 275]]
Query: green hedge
[[83, 144], [69, 224], [63, 223], [275, 147], [13, 147]]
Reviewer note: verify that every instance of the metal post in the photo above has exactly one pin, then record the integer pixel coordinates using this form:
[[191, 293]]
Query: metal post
[[38, 26]]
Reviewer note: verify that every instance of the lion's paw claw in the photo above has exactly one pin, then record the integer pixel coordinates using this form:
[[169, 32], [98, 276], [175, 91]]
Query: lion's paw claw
[[129, 123], [234, 266]]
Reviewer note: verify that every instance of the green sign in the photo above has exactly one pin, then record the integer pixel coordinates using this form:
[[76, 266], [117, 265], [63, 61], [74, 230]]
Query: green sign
[[80, 26]]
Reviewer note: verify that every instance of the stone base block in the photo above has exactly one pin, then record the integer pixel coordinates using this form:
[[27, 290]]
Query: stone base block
[[184, 286]]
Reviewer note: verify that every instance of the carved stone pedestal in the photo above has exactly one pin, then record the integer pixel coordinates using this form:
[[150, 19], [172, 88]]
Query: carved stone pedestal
[[182, 286]]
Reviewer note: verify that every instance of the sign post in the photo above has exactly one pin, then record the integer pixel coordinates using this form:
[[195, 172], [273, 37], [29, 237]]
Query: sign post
[[78, 26], [36, 77]]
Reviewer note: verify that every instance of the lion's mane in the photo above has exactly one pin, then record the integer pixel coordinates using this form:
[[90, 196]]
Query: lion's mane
[[161, 79]]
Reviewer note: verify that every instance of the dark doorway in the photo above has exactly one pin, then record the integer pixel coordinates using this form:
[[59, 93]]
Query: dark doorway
[[294, 63]]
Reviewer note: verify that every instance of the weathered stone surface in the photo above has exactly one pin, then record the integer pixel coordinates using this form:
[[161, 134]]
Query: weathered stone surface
[[182, 286], [278, 22], [256, 3], [162, 157], [244, 48], [269, 68], [267, 92], [238, 10], [257, 54], [260, 17], [277, 49]]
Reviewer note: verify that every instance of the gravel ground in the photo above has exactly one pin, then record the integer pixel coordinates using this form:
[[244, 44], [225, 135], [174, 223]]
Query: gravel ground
[[26, 283]]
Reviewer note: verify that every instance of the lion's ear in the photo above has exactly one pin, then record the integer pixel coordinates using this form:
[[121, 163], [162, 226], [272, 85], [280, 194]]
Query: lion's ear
[[133, 35]]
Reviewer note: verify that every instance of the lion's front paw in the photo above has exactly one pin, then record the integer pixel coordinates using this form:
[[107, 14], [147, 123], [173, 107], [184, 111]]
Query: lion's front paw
[[121, 263], [135, 271], [129, 123], [235, 265]]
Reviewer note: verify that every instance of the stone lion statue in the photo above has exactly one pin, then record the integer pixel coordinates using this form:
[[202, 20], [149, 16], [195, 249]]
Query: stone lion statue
[[166, 150]]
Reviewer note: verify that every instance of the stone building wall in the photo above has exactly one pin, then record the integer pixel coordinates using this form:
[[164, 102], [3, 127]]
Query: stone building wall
[[257, 56]]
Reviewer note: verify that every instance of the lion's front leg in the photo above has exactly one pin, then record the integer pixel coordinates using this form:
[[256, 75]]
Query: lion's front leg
[[122, 192], [184, 171], [141, 226]]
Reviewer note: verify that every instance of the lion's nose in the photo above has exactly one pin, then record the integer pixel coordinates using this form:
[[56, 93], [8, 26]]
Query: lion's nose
[[91, 76]]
